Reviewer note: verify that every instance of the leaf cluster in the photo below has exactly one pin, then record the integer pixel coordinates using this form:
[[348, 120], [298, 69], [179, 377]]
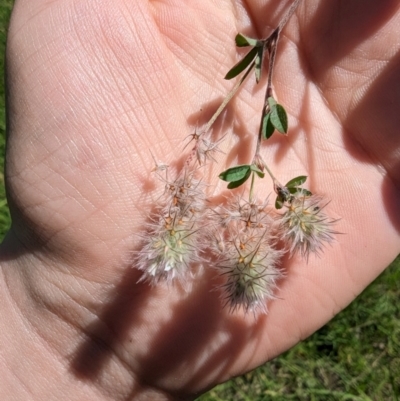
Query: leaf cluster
[[274, 119], [254, 58]]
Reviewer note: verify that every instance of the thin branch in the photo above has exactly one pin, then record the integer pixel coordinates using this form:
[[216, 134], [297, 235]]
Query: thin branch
[[288, 14], [271, 44], [227, 99]]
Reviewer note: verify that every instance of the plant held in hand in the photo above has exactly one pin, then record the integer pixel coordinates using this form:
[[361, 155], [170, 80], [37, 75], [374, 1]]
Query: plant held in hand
[[241, 235]]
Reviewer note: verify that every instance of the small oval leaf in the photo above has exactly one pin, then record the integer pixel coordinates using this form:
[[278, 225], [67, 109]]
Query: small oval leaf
[[297, 181], [279, 118], [238, 183], [242, 64], [243, 41], [267, 127], [235, 173]]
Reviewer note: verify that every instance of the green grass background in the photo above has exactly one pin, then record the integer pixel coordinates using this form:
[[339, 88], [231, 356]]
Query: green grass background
[[354, 357]]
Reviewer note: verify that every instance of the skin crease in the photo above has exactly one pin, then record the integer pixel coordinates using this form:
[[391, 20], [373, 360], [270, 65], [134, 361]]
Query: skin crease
[[92, 86]]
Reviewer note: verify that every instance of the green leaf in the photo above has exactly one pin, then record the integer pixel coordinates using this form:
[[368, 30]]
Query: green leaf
[[242, 64], [271, 102], [293, 190], [243, 41], [254, 168], [235, 184], [279, 118], [259, 63], [236, 173], [304, 192], [267, 127], [300, 191], [278, 202], [297, 181]]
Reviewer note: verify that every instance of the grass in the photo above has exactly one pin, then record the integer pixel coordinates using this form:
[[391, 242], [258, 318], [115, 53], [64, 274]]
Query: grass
[[355, 357], [5, 10]]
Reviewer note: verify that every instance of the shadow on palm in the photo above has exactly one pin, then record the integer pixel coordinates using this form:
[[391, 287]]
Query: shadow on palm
[[197, 323], [180, 341]]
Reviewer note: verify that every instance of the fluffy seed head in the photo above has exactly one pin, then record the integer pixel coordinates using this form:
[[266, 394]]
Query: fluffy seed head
[[251, 275], [169, 245], [168, 252], [246, 256], [304, 226]]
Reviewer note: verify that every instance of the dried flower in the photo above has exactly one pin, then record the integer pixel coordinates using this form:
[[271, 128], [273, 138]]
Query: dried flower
[[245, 214], [170, 243], [246, 256], [304, 226], [168, 248], [205, 150], [251, 272]]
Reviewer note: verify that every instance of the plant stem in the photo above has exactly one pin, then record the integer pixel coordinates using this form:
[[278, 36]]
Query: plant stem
[[271, 44], [279, 189], [227, 99], [288, 14], [251, 192], [269, 172]]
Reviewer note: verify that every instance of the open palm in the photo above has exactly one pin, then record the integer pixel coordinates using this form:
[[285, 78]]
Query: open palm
[[93, 86]]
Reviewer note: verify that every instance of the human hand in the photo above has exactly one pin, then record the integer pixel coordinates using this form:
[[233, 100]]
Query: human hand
[[92, 87]]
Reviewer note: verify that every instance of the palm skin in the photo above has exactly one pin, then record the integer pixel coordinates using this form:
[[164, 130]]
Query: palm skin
[[92, 87]]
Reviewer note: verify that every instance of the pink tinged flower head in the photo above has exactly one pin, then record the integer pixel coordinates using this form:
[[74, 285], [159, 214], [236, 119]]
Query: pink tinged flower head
[[168, 253], [169, 245], [243, 214], [305, 227], [251, 277], [246, 256]]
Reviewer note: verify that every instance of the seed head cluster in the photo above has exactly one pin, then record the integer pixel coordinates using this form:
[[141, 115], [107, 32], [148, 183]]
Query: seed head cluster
[[240, 236]]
